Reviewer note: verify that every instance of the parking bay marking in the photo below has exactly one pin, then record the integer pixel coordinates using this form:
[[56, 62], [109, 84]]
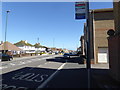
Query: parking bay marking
[[29, 77], [33, 77], [49, 78]]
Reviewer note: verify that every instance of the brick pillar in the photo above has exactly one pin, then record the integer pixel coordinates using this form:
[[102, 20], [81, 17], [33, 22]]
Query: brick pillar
[[114, 56], [114, 45], [116, 11]]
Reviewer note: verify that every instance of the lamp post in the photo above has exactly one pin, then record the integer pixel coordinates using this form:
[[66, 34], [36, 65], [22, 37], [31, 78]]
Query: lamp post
[[53, 42], [6, 29]]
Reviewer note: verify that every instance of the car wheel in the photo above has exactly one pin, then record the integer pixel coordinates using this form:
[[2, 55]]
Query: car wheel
[[10, 59], [69, 56]]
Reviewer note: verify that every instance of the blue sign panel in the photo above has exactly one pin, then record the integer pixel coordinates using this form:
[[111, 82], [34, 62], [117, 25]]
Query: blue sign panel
[[80, 10]]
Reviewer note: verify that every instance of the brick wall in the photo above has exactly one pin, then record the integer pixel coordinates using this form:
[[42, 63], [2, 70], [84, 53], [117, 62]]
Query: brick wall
[[103, 22]]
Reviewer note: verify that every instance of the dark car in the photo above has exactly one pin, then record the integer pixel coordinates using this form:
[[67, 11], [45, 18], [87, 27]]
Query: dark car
[[66, 55], [73, 54], [5, 57], [56, 53]]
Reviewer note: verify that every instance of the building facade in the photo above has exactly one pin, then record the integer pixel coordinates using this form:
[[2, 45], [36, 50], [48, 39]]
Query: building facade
[[29, 48], [82, 45], [9, 48], [101, 20]]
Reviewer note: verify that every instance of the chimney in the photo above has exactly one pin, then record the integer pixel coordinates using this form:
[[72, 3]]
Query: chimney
[[25, 41]]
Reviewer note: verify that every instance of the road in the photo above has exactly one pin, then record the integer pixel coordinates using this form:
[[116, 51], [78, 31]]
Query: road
[[18, 63], [34, 72]]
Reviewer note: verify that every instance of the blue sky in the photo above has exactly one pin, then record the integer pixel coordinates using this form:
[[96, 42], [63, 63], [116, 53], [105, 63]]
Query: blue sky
[[48, 21]]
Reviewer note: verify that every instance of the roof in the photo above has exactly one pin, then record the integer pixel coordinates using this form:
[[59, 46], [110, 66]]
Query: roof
[[102, 10], [37, 45], [82, 37], [22, 43], [9, 46]]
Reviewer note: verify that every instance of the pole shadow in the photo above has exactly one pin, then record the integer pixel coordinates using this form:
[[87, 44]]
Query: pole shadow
[[72, 59]]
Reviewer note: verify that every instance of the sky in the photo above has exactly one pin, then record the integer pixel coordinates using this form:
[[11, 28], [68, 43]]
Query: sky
[[52, 22]]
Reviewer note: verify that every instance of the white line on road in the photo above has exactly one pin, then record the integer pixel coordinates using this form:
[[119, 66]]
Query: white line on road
[[29, 61], [12, 64], [46, 63], [61, 66], [43, 64], [22, 62], [3, 67], [46, 81]]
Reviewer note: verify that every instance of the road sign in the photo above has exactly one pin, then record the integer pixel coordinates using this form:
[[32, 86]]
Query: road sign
[[80, 10]]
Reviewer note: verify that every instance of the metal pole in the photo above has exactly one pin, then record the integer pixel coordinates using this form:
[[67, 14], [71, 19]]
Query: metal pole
[[53, 42], [88, 41], [88, 35], [38, 45], [6, 30], [38, 40]]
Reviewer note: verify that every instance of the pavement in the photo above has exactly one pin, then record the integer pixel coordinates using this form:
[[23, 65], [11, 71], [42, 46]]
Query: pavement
[[78, 78], [103, 79]]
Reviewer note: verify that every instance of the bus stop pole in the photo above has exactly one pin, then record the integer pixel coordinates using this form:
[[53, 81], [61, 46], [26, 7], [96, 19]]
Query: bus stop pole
[[88, 62]]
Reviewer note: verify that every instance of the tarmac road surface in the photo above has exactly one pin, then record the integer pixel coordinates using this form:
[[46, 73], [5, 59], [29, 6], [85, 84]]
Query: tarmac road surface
[[39, 73]]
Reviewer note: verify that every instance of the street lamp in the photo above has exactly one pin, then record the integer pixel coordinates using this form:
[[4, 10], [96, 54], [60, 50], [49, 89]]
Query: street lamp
[[6, 29]]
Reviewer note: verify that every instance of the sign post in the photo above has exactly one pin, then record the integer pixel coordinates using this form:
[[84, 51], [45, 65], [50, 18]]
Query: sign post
[[88, 42], [82, 12], [88, 34]]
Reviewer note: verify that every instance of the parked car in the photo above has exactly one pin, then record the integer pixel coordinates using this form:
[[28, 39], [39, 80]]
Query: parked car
[[56, 53], [73, 54], [4, 57], [66, 55]]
